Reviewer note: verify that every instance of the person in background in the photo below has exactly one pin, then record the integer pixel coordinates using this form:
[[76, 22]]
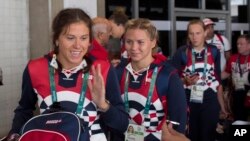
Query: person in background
[[237, 68], [118, 20], [72, 37], [101, 34], [199, 67], [151, 88], [220, 41]]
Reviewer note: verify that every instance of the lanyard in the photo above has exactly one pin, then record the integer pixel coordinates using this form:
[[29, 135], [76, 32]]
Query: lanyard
[[150, 92], [238, 63], [205, 62], [83, 91]]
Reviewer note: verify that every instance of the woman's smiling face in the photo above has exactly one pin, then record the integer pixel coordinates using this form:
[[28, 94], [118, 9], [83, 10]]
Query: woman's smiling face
[[73, 44]]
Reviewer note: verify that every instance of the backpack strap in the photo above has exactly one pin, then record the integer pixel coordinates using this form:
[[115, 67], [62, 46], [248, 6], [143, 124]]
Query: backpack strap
[[220, 38], [185, 53], [214, 51]]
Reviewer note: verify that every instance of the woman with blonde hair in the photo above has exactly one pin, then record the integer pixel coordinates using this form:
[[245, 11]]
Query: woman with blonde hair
[[151, 88]]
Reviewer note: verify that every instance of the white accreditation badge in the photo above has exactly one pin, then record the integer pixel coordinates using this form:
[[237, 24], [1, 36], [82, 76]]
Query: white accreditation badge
[[239, 83], [134, 133], [197, 93]]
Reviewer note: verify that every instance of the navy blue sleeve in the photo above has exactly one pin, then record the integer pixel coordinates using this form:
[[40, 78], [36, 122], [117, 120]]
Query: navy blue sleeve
[[170, 85], [217, 66], [26, 106], [176, 99], [116, 117]]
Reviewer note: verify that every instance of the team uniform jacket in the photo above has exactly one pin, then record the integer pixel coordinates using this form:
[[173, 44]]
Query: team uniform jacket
[[168, 98], [182, 60], [36, 89], [233, 67]]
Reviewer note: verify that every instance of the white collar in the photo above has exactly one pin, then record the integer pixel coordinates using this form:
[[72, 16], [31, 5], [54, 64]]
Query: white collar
[[68, 72], [136, 74]]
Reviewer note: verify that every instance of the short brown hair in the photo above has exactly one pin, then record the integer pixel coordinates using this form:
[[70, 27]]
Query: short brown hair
[[246, 37], [119, 18]]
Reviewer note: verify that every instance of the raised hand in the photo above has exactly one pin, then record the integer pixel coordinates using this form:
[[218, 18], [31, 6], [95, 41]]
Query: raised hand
[[97, 88]]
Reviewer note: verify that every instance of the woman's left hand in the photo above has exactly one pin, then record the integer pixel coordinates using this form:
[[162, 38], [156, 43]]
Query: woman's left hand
[[97, 88]]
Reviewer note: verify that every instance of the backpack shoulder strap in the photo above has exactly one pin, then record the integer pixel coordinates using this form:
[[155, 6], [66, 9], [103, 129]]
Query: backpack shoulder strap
[[220, 38], [184, 54], [214, 51]]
